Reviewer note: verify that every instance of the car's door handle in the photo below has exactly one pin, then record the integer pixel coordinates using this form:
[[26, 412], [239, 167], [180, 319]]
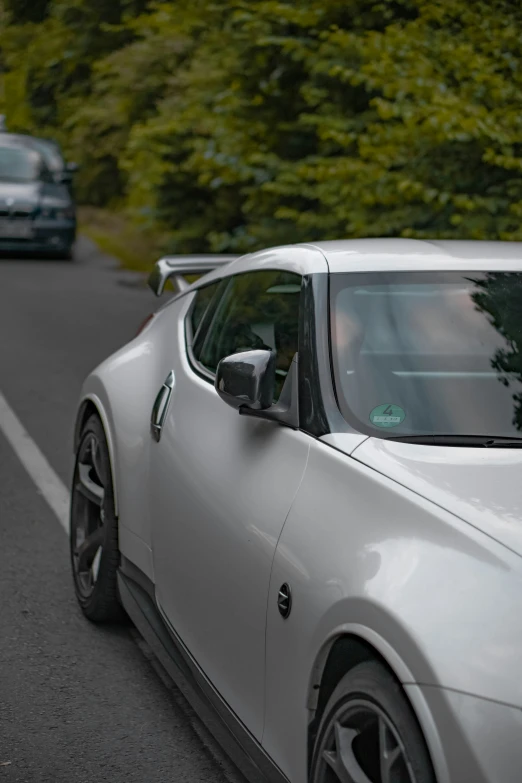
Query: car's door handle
[[160, 407]]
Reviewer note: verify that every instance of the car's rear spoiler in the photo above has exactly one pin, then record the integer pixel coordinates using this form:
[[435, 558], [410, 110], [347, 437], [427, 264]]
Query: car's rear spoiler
[[178, 266]]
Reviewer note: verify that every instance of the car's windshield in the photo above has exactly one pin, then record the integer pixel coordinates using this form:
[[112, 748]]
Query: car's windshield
[[429, 353], [18, 164]]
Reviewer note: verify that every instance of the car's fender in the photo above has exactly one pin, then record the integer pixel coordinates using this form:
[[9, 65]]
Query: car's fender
[[367, 557], [89, 403], [355, 634]]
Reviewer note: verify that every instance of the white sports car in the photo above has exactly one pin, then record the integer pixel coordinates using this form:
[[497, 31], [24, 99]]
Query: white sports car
[[302, 482]]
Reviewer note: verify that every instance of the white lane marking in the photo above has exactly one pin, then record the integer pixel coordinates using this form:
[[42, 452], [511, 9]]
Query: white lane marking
[[50, 485]]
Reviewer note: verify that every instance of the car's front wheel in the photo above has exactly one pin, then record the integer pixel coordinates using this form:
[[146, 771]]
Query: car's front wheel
[[94, 527], [369, 734]]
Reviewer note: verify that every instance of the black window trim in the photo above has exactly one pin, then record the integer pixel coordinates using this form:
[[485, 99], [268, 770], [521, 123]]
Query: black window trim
[[217, 300], [190, 338], [210, 309], [319, 411]]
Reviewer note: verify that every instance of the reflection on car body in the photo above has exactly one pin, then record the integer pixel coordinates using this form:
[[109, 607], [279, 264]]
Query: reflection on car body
[[301, 481]]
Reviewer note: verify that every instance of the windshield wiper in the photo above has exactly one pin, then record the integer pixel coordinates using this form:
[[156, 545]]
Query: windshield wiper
[[470, 441]]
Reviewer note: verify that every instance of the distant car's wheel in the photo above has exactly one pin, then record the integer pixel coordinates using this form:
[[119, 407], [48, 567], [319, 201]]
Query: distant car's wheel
[[66, 255], [94, 528], [369, 734]]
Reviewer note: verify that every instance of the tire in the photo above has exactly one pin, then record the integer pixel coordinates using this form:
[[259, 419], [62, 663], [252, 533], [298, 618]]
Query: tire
[[368, 711], [66, 255], [94, 551]]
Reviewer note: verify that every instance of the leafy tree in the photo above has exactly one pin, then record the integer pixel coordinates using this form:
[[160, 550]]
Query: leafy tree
[[44, 90], [236, 124], [21, 11]]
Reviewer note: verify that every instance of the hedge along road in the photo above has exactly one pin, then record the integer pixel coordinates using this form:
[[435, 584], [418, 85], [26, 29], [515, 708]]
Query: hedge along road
[[78, 703]]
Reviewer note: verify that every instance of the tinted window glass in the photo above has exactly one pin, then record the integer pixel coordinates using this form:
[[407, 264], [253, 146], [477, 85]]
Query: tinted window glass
[[257, 310], [435, 354], [201, 302]]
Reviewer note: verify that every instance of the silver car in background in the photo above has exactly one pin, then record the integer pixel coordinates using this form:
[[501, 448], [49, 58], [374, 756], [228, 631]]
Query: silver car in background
[[37, 211], [302, 481]]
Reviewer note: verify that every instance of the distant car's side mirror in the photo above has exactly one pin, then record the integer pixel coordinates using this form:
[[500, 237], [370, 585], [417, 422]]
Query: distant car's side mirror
[[66, 175], [247, 379]]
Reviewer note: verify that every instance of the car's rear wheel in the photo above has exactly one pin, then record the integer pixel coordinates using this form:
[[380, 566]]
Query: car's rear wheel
[[94, 528], [369, 734]]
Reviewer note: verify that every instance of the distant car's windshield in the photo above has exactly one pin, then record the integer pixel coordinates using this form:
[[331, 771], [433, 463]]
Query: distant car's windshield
[[429, 353], [18, 165]]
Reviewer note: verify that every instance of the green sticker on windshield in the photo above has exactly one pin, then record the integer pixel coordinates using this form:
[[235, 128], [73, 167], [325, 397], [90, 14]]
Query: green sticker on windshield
[[387, 415]]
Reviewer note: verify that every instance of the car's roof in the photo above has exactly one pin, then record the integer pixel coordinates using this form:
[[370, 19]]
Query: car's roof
[[395, 254], [376, 255], [381, 255]]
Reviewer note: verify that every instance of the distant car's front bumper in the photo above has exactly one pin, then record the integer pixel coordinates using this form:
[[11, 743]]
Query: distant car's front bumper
[[46, 236], [472, 739]]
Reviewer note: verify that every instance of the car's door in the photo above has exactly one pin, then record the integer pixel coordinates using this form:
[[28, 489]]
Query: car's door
[[222, 485]]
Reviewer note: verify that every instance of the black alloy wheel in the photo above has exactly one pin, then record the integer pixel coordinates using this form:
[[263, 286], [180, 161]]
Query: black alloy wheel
[[369, 734], [94, 527]]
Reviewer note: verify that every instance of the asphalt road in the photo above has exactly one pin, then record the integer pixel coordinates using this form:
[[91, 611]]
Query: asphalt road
[[78, 703]]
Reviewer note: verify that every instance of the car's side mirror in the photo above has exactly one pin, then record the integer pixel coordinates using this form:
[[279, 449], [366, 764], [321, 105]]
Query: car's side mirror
[[67, 174], [247, 379]]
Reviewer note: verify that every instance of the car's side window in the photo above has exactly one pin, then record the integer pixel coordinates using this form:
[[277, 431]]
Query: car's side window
[[257, 310], [201, 303]]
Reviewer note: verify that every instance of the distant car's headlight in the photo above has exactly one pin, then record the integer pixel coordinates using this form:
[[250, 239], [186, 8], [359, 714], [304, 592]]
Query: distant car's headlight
[[64, 214], [53, 211]]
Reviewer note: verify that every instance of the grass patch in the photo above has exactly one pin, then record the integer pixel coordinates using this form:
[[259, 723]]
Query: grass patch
[[117, 236]]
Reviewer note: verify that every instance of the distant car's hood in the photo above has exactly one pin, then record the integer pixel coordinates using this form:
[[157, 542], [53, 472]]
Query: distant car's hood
[[19, 192], [482, 486]]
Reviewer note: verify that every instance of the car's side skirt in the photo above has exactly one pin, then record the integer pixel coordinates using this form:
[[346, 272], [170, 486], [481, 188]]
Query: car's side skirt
[[137, 597]]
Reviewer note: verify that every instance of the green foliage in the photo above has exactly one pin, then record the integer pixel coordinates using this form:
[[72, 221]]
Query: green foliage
[[226, 125], [21, 11]]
